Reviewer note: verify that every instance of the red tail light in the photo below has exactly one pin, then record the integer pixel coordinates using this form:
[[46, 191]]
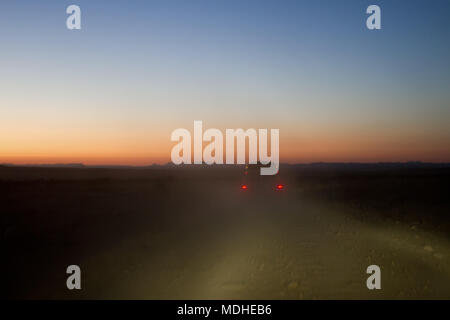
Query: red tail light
[[244, 187], [279, 187]]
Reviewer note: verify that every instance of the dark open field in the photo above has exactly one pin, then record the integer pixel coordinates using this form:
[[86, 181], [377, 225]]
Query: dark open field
[[191, 233]]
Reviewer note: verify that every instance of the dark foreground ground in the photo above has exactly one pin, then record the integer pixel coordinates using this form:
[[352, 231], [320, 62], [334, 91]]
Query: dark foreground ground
[[192, 233]]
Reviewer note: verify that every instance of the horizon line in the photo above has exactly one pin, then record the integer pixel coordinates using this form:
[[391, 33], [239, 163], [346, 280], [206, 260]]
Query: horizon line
[[170, 164]]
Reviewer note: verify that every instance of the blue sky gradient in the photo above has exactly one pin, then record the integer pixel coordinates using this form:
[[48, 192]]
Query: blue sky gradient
[[139, 69]]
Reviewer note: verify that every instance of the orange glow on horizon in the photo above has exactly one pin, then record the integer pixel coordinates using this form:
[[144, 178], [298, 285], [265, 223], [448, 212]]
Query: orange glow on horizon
[[291, 151], [139, 147]]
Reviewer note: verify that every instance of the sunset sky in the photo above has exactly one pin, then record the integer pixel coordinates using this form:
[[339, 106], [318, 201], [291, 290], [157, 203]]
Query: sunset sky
[[112, 92]]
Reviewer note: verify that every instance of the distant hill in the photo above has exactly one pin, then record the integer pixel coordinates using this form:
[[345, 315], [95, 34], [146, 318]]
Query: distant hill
[[318, 165], [50, 165]]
